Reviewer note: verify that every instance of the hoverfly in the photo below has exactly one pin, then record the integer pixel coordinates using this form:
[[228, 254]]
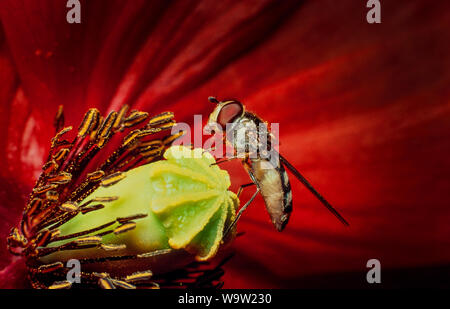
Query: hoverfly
[[267, 174]]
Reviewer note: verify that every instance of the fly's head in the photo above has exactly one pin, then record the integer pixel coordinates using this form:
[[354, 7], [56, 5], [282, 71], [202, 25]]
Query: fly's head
[[225, 114]]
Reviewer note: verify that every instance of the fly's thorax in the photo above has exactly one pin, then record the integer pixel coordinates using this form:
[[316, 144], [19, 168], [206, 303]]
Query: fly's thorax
[[251, 139], [243, 135]]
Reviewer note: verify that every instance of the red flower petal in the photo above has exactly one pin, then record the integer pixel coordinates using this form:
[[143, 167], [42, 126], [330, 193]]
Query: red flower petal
[[363, 113], [19, 144], [363, 110], [14, 275]]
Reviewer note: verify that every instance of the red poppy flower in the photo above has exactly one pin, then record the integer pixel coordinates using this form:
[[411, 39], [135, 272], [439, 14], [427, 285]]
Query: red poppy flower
[[363, 111]]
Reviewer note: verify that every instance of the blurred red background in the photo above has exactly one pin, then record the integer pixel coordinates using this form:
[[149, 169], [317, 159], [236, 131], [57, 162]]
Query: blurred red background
[[364, 113]]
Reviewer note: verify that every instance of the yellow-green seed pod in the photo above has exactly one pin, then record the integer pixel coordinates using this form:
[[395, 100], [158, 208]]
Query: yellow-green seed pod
[[181, 203]]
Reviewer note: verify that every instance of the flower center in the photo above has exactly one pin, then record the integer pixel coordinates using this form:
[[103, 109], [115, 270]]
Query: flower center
[[74, 169]]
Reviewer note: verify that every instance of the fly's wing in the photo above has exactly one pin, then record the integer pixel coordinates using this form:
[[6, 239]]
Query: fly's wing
[[306, 183]]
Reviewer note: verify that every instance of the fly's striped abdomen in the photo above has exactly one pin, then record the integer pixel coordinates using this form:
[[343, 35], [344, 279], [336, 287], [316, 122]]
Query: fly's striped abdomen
[[275, 188]]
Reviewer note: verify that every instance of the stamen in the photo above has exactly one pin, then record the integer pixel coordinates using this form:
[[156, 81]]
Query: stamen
[[60, 285], [45, 188], [105, 130], [122, 284], [120, 117], [43, 238], [55, 140], [61, 154], [48, 268], [160, 119], [58, 122], [55, 234], [86, 209], [69, 207], [105, 199], [88, 240], [99, 228], [135, 118], [52, 196], [34, 205], [169, 139], [151, 153], [167, 126], [131, 138], [97, 175], [15, 238], [89, 122], [112, 179], [65, 183], [123, 220], [124, 227], [112, 247], [61, 178], [153, 253], [106, 283], [50, 167], [139, 276]]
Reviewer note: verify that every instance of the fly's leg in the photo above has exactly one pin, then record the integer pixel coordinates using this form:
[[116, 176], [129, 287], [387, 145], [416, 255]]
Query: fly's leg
[[190, 146], [241, 188], [243, 208], [209, 149], [223, 161], [226, 159]]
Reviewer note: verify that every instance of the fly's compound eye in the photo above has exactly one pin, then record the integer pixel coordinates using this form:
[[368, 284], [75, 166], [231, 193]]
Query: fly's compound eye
[[229, 113]]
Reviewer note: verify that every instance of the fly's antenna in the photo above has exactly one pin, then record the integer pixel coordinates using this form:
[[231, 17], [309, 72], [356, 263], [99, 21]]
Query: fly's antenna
[[213, 100]]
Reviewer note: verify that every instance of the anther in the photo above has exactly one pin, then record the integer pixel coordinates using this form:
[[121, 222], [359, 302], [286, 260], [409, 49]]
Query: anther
[[52, 196], [55, 140], [105, 283], [47, 268], [44, 188], [113, 247], [135, 118], [122, 284], [120, 117], [89, 122], [112, 179], [61, 178], [88, 240], [61, 154], [58, 122], [123, 220], [139, 276], [69, 207], [160, 119], [106, 128], [124, 228], [97, 175], [60, 285], [86, 209]]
